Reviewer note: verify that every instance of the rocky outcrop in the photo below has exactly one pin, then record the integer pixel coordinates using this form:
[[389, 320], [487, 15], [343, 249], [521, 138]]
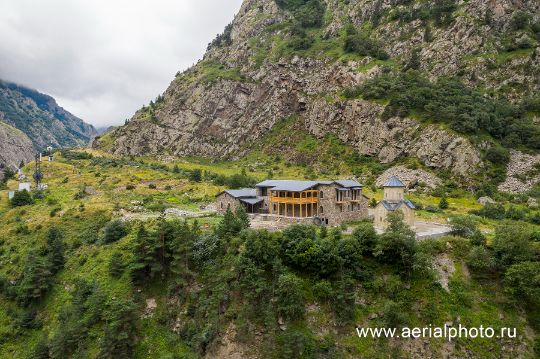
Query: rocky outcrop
[[522, 173], [412, 178], [15, 147], [239, 91], [41, 119]]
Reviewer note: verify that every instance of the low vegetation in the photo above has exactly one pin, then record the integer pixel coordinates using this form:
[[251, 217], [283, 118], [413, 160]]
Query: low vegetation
[[89, 282]]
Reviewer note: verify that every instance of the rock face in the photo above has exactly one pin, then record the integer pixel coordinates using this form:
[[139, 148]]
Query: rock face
[[41, 119], [15, 147], [522, 174], [410, 177], [241, 89]]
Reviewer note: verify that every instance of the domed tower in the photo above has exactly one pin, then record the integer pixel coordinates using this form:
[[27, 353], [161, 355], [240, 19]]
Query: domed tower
[[393, 200], [394, 190]]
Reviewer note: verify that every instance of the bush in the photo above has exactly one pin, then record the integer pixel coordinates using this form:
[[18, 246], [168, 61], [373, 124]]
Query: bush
[[365, 236], [323, 291], [114, 231], [472, 112], [497, 155], [363, 45], [480, 259], [21, 198], [511, 244], [398, 244], [491, 211], [152, 186], [523, 281], [443, 203], [393, 316], [116, 265], [520, 20], [290, 301]]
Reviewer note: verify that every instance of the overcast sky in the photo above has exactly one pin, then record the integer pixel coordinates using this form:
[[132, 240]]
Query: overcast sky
[[103, 59]]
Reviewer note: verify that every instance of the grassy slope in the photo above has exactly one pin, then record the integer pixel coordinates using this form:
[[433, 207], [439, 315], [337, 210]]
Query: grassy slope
[[475, 302]]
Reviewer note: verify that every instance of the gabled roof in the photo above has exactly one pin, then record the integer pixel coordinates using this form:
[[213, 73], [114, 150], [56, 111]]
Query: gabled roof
[[241, 193], [392, 206], [299, 186], [394, 182], [348, 183]]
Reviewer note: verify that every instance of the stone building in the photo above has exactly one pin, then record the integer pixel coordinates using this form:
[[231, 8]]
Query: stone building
[[328, 202], [394, 200]]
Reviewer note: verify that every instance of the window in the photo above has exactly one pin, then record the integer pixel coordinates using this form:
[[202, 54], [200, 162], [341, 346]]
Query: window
[[321, 209], [264, 191], [221, 204], [228, 206], [321, 195]]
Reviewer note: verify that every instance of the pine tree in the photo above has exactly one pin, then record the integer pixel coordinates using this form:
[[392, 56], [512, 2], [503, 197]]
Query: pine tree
[[36, 278], [56, 249], [142, 256], [120, 333], [116, 265], [242, 218], [443, 203]]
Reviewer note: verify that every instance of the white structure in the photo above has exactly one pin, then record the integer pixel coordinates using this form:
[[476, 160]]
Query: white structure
[[25, 186]]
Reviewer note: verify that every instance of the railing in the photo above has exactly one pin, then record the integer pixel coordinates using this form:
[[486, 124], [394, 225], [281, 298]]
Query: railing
[[293, 200]]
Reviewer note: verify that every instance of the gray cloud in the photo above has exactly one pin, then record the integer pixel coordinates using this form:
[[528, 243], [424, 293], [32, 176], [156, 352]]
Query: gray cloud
[[104, 59]]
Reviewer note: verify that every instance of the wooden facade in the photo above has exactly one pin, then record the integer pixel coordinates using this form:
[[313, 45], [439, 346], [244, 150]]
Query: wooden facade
[[294, 204]]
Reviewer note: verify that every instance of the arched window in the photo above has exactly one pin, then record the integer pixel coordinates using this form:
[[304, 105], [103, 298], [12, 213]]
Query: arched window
[[321, 194], [321, 209], [221, 203]]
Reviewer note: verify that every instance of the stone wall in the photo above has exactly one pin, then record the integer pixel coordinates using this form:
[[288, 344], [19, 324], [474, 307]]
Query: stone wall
[[337, 213], [381, 215], [225, 200]]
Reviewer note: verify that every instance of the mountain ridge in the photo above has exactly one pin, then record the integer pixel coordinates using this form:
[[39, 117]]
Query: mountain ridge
[[41, 118], [272, 63]]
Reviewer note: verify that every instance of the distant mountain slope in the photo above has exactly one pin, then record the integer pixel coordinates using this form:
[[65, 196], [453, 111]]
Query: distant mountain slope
[[15, 147], [41, 119], [373, 73]]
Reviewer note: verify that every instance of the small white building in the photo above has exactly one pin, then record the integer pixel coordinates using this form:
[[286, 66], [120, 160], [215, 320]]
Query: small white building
[[25, 186], [394, 200]]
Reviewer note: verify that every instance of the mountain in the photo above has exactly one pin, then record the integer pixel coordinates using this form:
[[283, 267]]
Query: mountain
[[450, 83], [39, 117], [15, 147]]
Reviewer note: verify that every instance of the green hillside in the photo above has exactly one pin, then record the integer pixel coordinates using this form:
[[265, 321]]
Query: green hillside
[[78, 282]]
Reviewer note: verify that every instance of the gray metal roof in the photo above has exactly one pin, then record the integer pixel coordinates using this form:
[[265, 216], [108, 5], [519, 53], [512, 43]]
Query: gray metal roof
[[242, 193], [348, 183], [394, 182], [299, 186], [392, 206], [252, 200]]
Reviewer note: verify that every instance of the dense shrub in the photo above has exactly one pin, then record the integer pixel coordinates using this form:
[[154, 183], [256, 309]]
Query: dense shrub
[[364, 45], [307, 13], [512, 244], [290, 301], [114, 231], [480, 259], [471, 111], [21, 198], [523, 281], [491, 211], [398, 244]]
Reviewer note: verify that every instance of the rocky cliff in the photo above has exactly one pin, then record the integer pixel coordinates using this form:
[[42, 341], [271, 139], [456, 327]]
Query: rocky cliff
[[40, 118], [15, 147], [281, 58]]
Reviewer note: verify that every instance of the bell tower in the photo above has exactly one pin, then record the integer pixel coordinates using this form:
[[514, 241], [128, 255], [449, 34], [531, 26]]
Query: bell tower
[[394, 190]]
